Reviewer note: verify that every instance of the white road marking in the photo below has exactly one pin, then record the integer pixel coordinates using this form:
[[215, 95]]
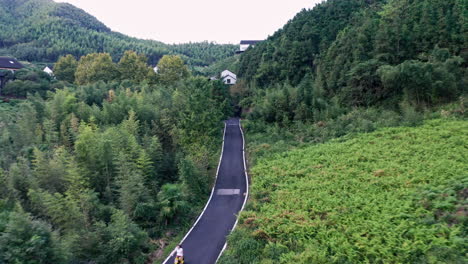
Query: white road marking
[[228, 192], [209, 199], [246, 194]]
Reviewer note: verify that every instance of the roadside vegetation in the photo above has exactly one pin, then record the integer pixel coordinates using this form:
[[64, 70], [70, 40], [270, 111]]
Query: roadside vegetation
[[397, 195], [355, 120], [108, 162], [356, 134]]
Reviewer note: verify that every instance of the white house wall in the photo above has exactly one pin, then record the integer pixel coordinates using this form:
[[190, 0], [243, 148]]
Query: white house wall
[[244, 47], [229, 80]]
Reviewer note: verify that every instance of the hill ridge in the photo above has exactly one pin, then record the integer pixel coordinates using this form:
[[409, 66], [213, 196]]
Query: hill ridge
[[43, 30]]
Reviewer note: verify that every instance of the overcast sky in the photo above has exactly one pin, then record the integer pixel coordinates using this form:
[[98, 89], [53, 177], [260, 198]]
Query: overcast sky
[[180, 21]]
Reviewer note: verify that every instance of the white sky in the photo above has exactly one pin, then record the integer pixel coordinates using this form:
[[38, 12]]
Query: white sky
[[180, 21]]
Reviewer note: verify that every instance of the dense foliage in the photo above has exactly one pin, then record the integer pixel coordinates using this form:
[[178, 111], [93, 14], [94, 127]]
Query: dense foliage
[[361, 53], [99, 161], [290, 52], [384, 197], [215, 69], [346, 67], [203, 54], [93, 68], [28, 80], [42, 31], [97, 172]]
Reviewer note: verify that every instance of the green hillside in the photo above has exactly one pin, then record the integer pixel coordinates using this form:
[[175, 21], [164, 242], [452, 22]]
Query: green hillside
[[229, 63], [291, 51], [397, 195], [355, 120], [42, 30], [323, 192], [363, 53]]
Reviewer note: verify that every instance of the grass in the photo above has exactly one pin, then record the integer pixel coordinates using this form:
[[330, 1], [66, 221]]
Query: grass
[[397, 195]]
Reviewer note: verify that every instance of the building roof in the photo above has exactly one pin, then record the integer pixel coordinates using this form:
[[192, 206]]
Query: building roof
[[10, 63], [228, 73], [48, 70], [233, 77], [249, 42]]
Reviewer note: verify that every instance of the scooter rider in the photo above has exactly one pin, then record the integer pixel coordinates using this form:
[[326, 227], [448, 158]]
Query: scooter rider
[[179, 255]]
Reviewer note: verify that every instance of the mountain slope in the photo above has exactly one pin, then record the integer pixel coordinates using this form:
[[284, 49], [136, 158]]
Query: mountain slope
[[42, 30], [291, 52], [339, 33], [355, 53]]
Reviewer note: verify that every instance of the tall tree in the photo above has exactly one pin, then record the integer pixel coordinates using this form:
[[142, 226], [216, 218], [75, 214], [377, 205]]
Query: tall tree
[[65, 68], [24, 240], [95, 67], [133, 66], [171, 69]]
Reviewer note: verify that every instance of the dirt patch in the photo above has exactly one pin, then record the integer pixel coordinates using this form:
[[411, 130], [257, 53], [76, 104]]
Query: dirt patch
[[158, 253]]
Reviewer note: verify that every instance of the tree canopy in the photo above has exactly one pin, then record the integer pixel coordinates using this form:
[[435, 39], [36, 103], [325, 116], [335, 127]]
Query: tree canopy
[[171, 69]]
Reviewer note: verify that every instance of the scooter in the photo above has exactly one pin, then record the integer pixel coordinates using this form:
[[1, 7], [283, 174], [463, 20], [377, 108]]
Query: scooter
[[179, 260]]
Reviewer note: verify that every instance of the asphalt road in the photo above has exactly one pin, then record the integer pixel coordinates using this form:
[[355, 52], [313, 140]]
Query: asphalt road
[[206, 240]]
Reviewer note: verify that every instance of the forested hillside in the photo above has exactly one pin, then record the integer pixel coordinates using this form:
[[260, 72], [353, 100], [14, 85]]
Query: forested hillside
[[363, 53], [355, 127], [323, 189], [290, 52], [42, 30], [106, 170]]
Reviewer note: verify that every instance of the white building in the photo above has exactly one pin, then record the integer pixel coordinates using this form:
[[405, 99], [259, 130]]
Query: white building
[[155, 69], [228, 77], [245, 44], [48, 71]]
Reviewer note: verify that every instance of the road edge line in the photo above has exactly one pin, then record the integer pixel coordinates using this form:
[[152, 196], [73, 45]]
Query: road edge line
[[246, 192], [211, 195]]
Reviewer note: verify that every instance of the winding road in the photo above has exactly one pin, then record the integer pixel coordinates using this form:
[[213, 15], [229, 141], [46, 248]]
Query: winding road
[[205, 242]]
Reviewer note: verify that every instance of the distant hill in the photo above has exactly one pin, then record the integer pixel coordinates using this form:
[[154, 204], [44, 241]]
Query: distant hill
[[42, 30]]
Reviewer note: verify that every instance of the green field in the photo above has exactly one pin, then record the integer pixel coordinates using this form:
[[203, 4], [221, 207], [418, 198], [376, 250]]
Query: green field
[[397, 195]]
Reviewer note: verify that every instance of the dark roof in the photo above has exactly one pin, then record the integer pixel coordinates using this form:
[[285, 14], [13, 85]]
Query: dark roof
[[249, 42], [10, 63]]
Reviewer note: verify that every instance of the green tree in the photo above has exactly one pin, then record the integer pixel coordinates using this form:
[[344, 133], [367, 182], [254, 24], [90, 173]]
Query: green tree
[[96, 67], [193, 179], [131, 183], [50, 173], [171, 202], [146, 168], [29, 241], [171, 69], [20, 181], [131, 125], [125, 242], [154, 151], [65, 68], [132, 66]]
